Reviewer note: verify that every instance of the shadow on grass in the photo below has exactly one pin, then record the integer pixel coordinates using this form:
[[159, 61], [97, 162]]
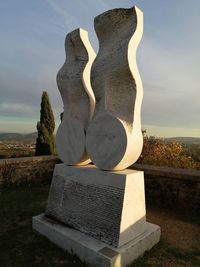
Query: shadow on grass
[[21, 247], [163, 255]]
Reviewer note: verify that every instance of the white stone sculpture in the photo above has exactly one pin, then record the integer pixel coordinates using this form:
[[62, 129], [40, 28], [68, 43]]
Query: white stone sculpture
[[73, 81], [114, 139], [100, 215]]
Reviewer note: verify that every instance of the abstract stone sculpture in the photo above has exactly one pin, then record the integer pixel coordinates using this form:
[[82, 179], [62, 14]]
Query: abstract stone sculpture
[[114, 139], [99, 215], [73, 81]]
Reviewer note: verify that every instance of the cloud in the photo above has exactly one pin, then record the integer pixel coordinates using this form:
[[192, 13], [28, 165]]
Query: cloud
[[17, 109], [171, 90], [61, 9], [32, 51]]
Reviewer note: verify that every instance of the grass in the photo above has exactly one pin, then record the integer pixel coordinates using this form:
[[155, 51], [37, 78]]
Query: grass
[[162, 255], [21, 247]]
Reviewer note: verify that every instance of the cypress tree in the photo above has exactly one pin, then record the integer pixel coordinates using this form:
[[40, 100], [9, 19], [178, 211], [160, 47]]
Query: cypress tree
[[45, 143]]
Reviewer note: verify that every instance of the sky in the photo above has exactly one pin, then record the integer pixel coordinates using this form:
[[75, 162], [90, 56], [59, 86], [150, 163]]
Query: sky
[[32, 35]]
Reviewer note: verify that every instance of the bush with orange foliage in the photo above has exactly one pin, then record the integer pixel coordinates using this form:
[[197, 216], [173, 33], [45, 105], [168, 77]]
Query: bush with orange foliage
[[156, 152]]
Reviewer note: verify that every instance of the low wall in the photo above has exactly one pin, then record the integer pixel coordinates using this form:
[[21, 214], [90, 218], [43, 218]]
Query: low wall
[[170, 187], [16, 171]]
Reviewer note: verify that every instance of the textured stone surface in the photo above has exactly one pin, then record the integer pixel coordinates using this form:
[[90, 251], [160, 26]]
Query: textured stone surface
[[109, 206], [171, 187], [114, 139], [26, 170], [73, 81], [94, 252]]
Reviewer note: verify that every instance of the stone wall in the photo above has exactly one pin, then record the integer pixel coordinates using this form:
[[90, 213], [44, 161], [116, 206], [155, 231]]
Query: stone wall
[[170, 187], [26, 170]]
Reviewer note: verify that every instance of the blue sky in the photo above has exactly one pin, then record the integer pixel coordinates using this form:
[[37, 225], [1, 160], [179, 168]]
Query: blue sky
[[32, 35]]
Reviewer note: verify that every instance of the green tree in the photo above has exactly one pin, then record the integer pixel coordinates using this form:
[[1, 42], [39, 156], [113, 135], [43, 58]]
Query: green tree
[[45, 143]]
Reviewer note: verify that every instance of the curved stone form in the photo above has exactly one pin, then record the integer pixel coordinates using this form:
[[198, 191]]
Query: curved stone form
[[114, 139], [73, 81]]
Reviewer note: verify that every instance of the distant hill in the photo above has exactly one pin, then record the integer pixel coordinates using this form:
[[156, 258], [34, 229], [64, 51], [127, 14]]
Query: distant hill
[[17, 137], [31, 138], [183, 140]]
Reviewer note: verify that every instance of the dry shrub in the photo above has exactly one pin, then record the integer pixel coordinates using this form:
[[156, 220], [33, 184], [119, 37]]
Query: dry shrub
[[156, 152]]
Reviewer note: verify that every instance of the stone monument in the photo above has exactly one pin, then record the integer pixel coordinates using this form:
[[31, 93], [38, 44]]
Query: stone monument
[[97, 211]]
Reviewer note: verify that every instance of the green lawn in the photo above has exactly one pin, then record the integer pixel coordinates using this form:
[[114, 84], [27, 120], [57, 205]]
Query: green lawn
[[21, 247]]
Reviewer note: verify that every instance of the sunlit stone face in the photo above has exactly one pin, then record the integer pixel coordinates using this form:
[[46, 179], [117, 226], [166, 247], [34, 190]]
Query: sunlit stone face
[[114, 139], [73, 81]]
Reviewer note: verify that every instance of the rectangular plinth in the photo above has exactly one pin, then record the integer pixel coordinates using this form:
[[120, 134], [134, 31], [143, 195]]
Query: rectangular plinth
[[95, 252], [109, 206]]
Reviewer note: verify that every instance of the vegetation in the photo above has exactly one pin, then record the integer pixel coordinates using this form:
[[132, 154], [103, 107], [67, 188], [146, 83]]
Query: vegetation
[[18, 137], [45, 143], [16, 150], [173, 154], [21, 247], [194, 151]]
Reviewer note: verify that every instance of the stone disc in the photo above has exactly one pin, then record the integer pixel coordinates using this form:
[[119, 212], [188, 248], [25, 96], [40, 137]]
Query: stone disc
[[106, 141], [70, 141]]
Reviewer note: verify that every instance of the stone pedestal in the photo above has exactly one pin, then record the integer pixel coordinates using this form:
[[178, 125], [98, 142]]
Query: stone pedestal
[[93, 252], [102, 215]]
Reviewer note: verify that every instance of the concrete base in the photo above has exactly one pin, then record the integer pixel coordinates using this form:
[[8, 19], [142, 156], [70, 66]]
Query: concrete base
[[94, 252]]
